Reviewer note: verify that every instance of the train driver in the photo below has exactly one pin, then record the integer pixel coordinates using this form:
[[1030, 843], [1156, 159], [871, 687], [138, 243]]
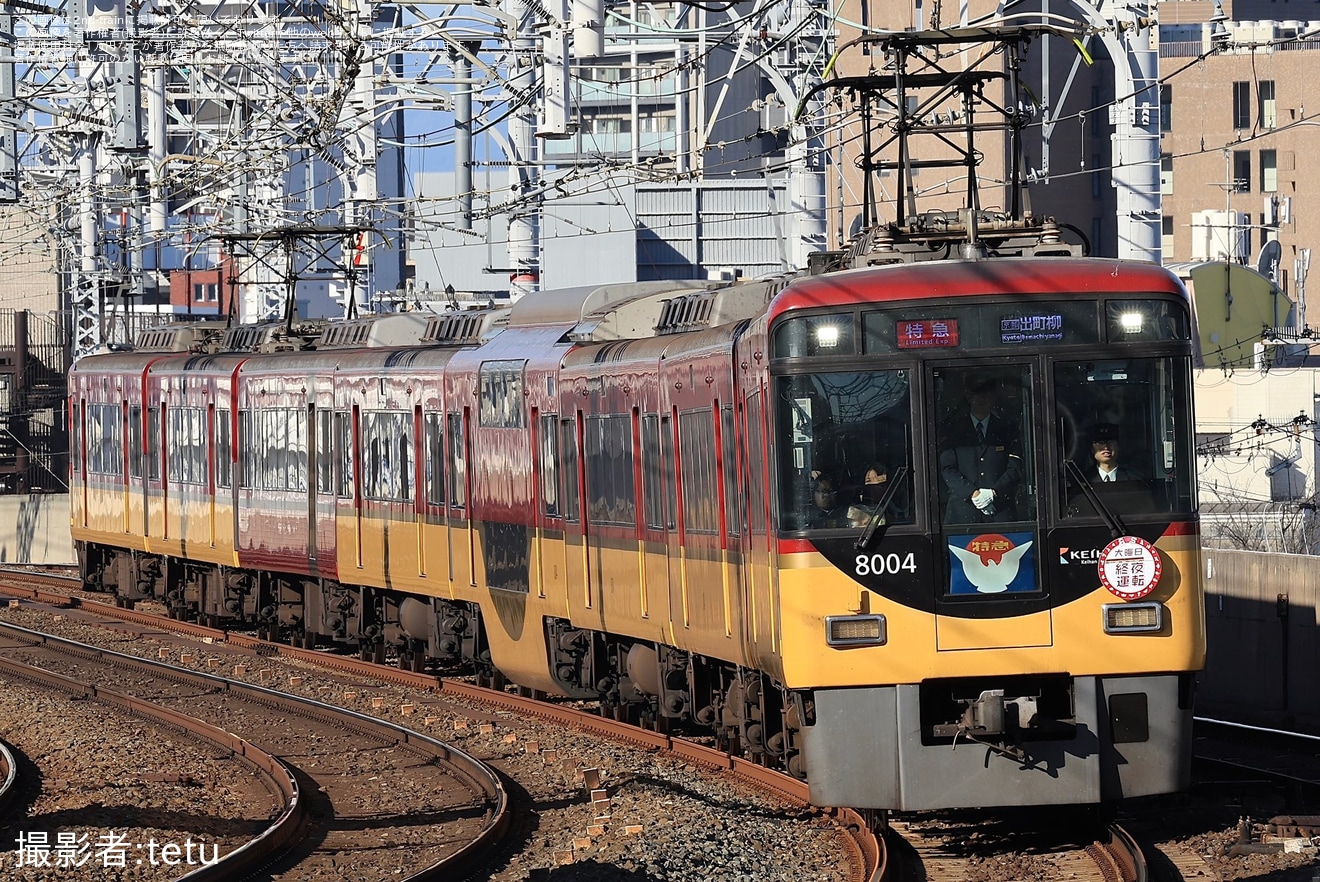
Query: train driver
[[1105, 452], [980, 459]]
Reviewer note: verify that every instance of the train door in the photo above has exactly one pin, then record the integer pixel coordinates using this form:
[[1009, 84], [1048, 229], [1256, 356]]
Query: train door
[[154, 484], [550, 555], [985, 429], [313, 436], [756, 480], [673, 538]]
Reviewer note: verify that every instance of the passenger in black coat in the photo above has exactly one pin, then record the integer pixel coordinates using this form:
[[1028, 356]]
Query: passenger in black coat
[[980, 461]]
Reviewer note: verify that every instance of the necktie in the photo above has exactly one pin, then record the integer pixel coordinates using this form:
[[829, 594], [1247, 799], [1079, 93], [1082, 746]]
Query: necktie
[[980, 429]]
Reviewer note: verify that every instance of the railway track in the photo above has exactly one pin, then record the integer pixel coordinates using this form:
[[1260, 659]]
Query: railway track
[[1291, 757], [1030, 848], [403, 803], [864, 854]]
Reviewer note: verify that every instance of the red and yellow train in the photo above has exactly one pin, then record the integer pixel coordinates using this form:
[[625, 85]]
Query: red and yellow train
[[611, 493]]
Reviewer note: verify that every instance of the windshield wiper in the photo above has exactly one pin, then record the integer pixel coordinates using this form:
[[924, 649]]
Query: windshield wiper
[[877, 518], [1114, 522]]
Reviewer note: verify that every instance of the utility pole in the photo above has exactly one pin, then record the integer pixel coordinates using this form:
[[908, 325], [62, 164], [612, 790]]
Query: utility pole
[[524, 170]]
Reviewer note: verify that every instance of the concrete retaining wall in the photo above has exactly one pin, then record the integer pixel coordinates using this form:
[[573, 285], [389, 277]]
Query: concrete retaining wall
[[1263, 658], [34, 528]]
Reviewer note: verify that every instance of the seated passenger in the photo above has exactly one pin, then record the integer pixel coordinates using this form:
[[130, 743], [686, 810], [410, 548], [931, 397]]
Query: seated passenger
[[826, 510]]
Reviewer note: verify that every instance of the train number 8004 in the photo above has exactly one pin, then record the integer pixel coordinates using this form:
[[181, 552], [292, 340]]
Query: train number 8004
[[885, 564]]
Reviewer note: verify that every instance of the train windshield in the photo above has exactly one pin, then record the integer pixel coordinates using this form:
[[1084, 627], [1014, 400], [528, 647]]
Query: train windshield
[[849, 439], [1120, 423], [985, 442]]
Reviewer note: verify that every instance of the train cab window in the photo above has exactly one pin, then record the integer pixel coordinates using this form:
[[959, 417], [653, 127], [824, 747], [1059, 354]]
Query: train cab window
[[1118, 426], [844, 437], [984, 444]]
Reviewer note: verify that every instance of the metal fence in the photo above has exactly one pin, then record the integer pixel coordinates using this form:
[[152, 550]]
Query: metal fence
[[34, 367]]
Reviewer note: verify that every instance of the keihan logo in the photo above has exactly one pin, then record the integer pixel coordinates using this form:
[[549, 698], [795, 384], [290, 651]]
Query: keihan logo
[[991, 563], [1079, 555]]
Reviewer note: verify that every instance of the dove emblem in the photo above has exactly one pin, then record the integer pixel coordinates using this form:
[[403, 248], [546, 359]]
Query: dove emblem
[[992, 567]]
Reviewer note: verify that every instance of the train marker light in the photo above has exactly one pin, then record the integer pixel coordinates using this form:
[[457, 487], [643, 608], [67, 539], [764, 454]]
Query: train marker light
[[855, 630], [1129, 618]]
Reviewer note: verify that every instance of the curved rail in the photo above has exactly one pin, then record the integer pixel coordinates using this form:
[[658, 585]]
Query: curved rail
[[475, 774], [282, 833], [866, 850], [9, 786]]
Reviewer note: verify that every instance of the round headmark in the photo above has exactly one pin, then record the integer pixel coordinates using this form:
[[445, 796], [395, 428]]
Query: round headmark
[[1130, 567]]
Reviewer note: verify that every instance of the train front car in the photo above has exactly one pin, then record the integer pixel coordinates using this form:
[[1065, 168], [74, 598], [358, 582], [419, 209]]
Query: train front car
[[988, 575]]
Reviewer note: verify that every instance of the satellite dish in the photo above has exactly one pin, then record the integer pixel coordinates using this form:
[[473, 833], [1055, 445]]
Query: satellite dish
[[1267, 264]]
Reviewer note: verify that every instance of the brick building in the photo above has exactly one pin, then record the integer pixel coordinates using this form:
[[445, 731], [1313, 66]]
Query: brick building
[[1238, 140]]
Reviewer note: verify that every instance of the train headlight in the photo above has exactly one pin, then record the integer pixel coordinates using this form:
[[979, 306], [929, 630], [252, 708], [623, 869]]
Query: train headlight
[[855, 630], [827, 336], [1133, 618], [1131, 322]]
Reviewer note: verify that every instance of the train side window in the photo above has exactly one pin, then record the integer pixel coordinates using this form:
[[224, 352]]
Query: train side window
[[78, 436], [404, 461], [651, 480], [697, 454], [344, 454], [387, 455], [325, 460], [609, 461], [435, 458], [104, 450], [668, 478], [457, 463], [153, 443], [134, 441], [299, 477], [247, 457], [223, 450], [732, 496], [187, 459], [550, 465], [568, 444]]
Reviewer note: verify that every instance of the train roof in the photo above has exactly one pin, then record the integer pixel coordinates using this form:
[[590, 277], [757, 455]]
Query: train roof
[[1010, 276]]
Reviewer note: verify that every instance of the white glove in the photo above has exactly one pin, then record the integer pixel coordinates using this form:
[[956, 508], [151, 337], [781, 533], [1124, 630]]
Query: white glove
[[983, 499]]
